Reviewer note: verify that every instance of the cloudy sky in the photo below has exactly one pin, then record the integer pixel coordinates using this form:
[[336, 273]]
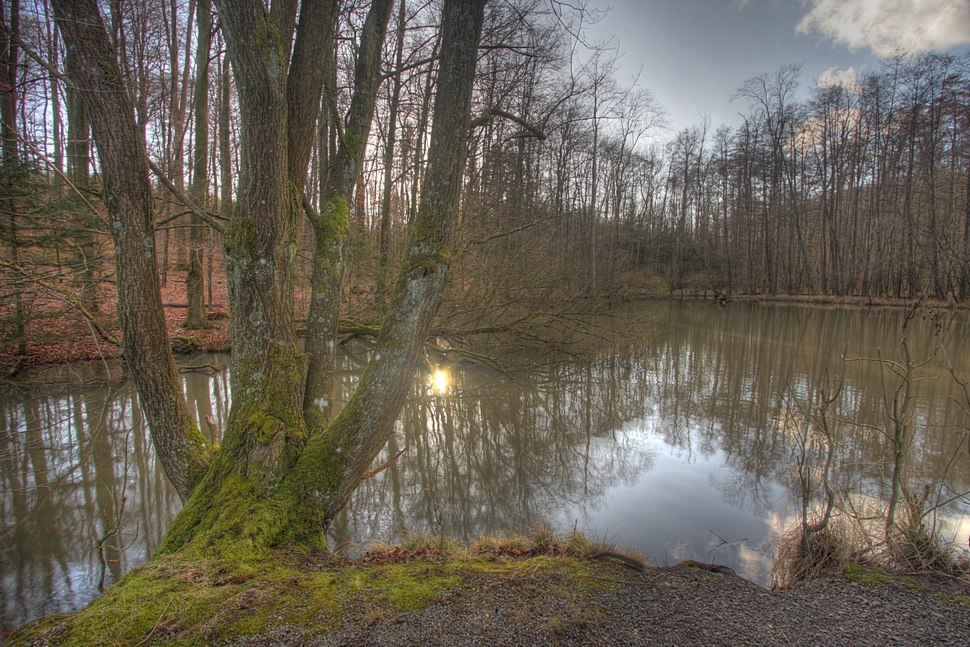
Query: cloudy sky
[[693, 54]]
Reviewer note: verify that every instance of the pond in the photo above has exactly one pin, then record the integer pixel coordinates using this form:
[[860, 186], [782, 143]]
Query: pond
[[676, 443]]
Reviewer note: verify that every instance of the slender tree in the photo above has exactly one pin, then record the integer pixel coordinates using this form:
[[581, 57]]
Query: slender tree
[[126, 192], [195, 317]]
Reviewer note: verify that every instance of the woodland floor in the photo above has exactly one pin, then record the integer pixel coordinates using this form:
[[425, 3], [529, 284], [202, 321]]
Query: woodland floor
[[60, 334]]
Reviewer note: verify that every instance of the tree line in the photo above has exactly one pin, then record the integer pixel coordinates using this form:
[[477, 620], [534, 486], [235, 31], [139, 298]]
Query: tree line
[[853, 187], [859, 189]]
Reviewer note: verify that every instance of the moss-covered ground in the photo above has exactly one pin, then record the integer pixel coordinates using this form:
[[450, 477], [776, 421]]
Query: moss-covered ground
[[176, 601], [536, 589]]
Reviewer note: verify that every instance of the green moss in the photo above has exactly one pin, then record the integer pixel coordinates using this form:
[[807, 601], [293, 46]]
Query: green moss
[[875, 576], [333, 222], [159, 602], [240, 235], [189, 599], [954, 599], [354, 144], [427, 251], [865, 575], [915, 585], [403, 588], [269, 40], [185, 345]]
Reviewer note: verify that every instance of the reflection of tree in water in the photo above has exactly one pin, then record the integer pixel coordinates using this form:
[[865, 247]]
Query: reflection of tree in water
[[722, 376], [62, 471], [496, 454], [490, 454]]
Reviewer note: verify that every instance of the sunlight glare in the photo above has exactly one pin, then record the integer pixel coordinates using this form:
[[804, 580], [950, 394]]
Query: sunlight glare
[[440, 382]]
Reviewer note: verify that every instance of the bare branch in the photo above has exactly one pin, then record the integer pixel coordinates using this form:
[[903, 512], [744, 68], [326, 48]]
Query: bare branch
[[210, 219]]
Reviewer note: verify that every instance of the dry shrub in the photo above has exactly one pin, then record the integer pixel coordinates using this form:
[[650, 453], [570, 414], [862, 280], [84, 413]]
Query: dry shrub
[[798, 559], [916, 542]]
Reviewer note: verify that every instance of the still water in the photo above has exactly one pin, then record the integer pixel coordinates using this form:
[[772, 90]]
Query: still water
[[674, 443]]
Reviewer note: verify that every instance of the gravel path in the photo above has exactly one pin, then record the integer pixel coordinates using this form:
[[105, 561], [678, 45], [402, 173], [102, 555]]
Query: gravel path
[[667, 606]]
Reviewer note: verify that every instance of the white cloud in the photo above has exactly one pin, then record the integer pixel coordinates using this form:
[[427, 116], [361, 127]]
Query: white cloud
[[890, 26], [834, 77]]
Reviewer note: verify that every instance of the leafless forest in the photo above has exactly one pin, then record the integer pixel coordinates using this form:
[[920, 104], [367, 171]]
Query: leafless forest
[[573, 186]]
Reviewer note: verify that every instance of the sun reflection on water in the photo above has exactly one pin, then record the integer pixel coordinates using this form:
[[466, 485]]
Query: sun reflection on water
[[439, 382]]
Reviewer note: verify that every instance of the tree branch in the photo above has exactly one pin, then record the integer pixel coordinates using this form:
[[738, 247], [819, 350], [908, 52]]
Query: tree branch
[[503, 234], [208, 218], [489, 113], [383, 466]]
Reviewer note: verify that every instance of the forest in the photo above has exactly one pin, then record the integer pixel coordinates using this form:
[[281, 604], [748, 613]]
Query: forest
[[573, 187], [279, 178]]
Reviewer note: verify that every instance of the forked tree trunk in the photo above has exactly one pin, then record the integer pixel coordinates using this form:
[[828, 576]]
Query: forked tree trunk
[[270, 481], [332, 465], [266, 486]]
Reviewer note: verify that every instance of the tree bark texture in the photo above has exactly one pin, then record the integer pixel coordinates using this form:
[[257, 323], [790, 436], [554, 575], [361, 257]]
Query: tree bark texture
[[195, 316], [126, 193], [334, 461], [332, 223]]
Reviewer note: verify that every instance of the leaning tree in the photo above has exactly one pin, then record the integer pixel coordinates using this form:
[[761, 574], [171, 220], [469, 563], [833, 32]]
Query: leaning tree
[[282, 471]]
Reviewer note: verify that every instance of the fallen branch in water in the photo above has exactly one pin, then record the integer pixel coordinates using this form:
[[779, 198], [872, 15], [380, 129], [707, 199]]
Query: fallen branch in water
[[204, 368]]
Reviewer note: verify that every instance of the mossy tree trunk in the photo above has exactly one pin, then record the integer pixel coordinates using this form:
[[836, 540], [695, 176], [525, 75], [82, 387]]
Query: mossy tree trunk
[[265, 430], [332, 223], [272, 479], [334, 461], [126, 193]]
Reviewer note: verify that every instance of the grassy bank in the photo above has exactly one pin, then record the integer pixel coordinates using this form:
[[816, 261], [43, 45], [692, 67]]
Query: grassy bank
[[174, 601], [539, 590]]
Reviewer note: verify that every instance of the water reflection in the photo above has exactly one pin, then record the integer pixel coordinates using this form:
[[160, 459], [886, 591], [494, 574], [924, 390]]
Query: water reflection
[[671, 445]]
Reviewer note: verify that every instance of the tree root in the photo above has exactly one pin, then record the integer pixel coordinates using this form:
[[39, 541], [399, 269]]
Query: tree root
[[620, 557], [711, 568]]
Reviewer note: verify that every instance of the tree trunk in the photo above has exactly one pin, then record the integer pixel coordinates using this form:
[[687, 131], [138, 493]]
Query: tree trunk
[[335, 460], [385, 226], [195, 316], [11, 153], [126, 193], [79, 173], [225, 149], [331, 224]]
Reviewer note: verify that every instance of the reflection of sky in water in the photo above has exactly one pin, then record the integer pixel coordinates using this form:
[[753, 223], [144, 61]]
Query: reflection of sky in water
[[673, 449], [675, 511]]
